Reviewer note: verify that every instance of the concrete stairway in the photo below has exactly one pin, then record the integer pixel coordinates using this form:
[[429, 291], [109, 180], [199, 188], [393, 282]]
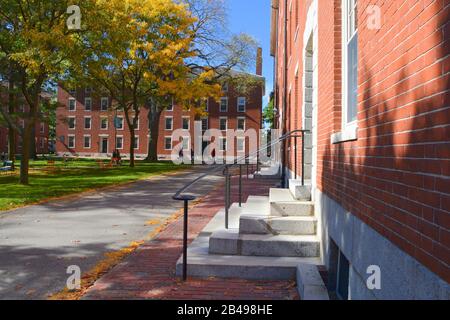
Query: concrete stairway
[[268, 238]]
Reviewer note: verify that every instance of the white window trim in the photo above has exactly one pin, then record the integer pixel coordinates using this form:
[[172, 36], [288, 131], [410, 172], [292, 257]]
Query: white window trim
[[207, 122], [349, 130], [75, 105], [85, 100], [123, 123], [136, 140], [172, 105], [220, 106], [220, 126], [237, 124], [245, 104], [74, 141], [121, 148], [165, 123], [189, 123], [171, 143], [107, 123], [74, 123], [101, 104], [42, 127], [90, 123], [90, 141]]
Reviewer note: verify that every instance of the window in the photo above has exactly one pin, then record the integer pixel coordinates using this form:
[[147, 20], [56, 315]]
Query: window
[[88, 104], [186, 143], [223, 123], [87, 123], [186, 123], [42, 127], [170, 107], [240, 144], [119, 142], [137, 124], [224, 104], [104, 104], [241, 123], [104, 123], [71, 122], [88, 90], [168, 143], [41, 143], [136, 143], [342, 277], [118, 123], [72, 104], [87, 142], [71, 141], [350, 61], [241, 104], [222, 144], [225, 87], [169, 123], [206, 104], [204, 124]]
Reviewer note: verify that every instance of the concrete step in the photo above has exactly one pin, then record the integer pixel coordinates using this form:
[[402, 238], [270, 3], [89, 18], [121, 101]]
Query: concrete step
[[277, 225], [283, 203], [202, 264], [299, 192], [310, 285], [231, 242]]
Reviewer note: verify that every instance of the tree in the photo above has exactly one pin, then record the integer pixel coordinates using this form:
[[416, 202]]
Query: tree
[[269, 112], [34, 39]]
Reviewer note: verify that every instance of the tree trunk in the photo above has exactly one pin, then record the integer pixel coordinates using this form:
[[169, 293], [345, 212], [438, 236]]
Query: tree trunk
[[154, 116], [33, 154], [11, 131], [132, 140], [25, 160]]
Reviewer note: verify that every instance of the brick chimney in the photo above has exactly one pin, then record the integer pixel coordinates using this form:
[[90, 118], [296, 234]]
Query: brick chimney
[[259, 62]]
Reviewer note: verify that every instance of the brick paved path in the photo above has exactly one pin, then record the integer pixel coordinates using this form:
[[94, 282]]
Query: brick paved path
[[149, 273]]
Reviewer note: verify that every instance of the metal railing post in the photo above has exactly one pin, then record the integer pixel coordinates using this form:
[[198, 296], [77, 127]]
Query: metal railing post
[[240, 185], [227, 195], [295, 155], [303, 158], [185, 239]]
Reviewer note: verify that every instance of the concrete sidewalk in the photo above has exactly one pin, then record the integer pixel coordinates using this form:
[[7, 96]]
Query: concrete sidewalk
[[149, 273], [38, 243]]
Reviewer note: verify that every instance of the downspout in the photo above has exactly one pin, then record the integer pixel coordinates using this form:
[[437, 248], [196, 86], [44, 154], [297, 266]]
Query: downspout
[[283, 119]]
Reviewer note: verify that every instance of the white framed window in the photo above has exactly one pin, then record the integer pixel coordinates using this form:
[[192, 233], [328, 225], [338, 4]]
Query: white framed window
[[349, 62], [171, 105], [71, 141], [186, 123], [136, 142], [118, 122], [87, 142], [240, 144], [222, 144], [119, 142], [241, 104], [223, 123], [168, 143], [104, 104], [225, 87], [42, 127], [72, 104], [71, 121], [224, 104], [88, 104], [87, 123], [138, 122], [205, 124], [104, 123], [168, 123], [241, 123]]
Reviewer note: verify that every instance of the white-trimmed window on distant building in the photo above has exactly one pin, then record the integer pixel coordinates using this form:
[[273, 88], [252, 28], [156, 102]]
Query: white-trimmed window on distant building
[[186, 123], [241, 123], [224, 104], [171, 105], [168, 123], [205, 124], [222, 144], [87, 123], [223, 123], [71, 122], [119, 142], [88, 104], [225, 87], [350, 62], [71, 141], [103, 123], [136, 143], [72, 104], [42, 127], [241, 104], [168, 143], [119, 123], [86, 141], [104, 104], [240, 144], [137, 124]]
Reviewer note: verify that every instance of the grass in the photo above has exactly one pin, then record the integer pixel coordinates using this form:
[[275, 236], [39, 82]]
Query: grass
[[72, 177]]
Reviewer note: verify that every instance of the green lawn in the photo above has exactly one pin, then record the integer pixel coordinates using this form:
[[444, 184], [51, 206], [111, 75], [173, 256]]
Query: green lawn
[[72, 177]]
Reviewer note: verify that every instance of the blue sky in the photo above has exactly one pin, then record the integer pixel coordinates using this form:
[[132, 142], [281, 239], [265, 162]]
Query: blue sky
[[253, 17]]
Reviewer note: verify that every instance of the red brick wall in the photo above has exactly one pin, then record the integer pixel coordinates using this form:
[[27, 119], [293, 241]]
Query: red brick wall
[[395, 177]]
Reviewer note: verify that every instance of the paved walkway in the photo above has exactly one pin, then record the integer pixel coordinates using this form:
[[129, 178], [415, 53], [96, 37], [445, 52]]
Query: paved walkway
[[38, 243], [149, 273]]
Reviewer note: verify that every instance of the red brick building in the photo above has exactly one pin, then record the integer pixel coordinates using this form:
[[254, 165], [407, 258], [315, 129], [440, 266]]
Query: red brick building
[[371, 80], [85, 122]]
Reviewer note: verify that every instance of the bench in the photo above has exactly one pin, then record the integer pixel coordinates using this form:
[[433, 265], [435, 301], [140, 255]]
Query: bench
[[7, 168]]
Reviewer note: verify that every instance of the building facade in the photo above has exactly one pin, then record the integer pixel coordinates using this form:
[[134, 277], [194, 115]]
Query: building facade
[[371, 81], [86, 128]]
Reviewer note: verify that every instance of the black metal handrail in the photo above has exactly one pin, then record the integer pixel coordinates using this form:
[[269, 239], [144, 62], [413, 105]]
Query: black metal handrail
[[181, 196]]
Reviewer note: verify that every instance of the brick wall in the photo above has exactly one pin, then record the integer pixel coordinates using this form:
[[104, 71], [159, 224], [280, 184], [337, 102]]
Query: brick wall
[[395, 177]]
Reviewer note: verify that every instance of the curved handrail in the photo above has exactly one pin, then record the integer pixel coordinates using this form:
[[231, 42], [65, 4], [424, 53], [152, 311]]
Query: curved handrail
[[179, 194]]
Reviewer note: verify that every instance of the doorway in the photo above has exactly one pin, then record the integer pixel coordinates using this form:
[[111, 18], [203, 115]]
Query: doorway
[[309, 107], [104, 145]]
